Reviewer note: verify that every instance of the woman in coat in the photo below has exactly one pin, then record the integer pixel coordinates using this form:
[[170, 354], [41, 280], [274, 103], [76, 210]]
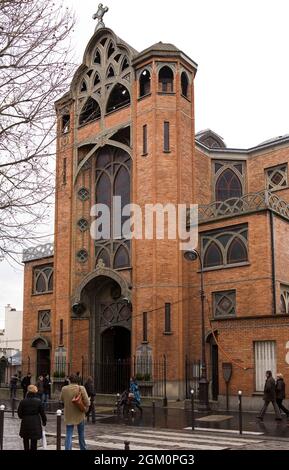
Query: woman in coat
[[31, 412], [280, 393]]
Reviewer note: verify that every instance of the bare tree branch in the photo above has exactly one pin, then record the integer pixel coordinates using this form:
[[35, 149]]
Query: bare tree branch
[[35, 69]]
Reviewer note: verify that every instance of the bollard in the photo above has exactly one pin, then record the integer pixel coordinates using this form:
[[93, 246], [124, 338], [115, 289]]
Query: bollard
[[2, 409], [240, 412], [154, 413], [193, 409], [126, 445], [58, 429], [117, 404]]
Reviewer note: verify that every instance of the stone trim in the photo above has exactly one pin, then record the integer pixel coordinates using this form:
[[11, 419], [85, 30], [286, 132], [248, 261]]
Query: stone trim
[[107, 272]]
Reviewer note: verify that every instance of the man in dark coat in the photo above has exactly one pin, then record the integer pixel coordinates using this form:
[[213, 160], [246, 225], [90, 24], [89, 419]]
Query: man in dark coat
[[269, 396], [13, 386], [280, 393], [31, 412], [89, 387], [25, 382]]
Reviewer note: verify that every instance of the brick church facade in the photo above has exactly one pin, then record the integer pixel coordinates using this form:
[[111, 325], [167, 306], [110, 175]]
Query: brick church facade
[[126, 128]]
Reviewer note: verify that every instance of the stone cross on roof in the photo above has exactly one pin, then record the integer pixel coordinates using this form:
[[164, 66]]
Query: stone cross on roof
[[99, 16]]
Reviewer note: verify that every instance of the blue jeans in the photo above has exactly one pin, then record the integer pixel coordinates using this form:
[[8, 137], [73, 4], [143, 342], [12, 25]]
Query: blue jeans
[[69, 433]]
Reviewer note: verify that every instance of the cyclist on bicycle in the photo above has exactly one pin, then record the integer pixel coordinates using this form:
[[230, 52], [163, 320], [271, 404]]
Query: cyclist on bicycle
[[133, 388]]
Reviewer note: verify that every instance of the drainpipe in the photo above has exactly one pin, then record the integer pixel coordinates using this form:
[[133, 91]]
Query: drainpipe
[[273, 260]]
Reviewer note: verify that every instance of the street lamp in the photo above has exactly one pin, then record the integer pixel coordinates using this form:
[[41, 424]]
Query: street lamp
[[193, 255]]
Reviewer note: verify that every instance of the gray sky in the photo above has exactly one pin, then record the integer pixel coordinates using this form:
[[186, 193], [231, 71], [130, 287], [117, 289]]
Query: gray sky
[[241, 47]]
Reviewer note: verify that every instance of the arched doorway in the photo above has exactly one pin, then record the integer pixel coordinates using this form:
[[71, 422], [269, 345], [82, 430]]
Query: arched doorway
[[42, 355], [110, 333]]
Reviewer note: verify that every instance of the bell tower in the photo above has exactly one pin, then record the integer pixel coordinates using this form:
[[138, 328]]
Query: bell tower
[[163, 149]]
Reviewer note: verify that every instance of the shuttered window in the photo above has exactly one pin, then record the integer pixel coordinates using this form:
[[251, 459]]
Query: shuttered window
[[166, 136], [265, 359], [168, 318], [144, 327], [145, 139]]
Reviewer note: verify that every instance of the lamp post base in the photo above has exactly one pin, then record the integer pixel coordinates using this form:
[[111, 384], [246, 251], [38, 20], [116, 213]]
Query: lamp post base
[[203, 395]]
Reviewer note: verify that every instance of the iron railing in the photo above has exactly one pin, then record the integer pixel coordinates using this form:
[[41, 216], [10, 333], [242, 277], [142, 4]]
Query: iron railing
[[110, 377], [251, 202]]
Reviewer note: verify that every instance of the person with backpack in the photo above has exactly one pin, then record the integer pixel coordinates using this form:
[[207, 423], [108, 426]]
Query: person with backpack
[[76, 404]]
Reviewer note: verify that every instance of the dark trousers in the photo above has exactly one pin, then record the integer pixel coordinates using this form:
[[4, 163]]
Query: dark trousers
[[24, 392], [265, 406], [30, 444], [282, 407]]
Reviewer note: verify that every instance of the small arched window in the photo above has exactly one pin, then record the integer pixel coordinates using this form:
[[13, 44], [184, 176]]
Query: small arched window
[[144, 83], [104, 256], [118, 98], [43, 279], [125, 64], [213, 256], [83, 86], [110, 72], [97, 58], [65, 123], [228, 185], [237, 252], [166, 80], [121, 258], [185, 84], [111, 50], [96, 80], [89, 112], [225, 247]]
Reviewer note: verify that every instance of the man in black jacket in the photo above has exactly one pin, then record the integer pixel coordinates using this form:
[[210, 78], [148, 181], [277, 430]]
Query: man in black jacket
[[25, 382], [269, 396]]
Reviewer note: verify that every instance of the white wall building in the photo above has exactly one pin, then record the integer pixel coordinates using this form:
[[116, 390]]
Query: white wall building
[[11, 335]]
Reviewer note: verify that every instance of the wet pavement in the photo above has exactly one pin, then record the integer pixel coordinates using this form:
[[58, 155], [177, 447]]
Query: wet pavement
[[181, 419], [105, 435]]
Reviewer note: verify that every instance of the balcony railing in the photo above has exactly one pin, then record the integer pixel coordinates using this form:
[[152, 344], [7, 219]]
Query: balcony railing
[[38, 252], [246, 204]]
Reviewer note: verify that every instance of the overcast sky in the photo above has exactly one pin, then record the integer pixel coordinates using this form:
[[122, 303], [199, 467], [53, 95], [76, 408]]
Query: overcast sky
[[242, 84]]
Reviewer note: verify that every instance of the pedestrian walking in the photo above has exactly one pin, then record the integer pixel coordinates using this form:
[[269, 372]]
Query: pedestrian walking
[[40, 387], [89, 387], [280, 393], [46, 388], [25, 382], [13, 386], [73, 415], [269, 396], [79, 378], [31, 413]]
